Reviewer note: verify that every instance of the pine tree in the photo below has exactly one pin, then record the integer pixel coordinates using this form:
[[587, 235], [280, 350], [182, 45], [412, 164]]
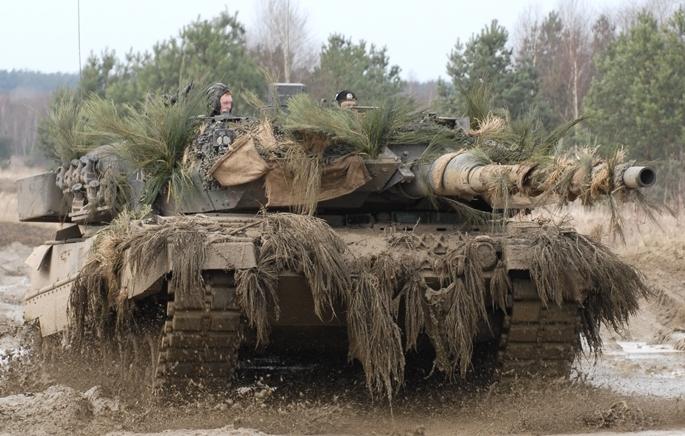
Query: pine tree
[[638, 98], [485, 61], [360, 67]]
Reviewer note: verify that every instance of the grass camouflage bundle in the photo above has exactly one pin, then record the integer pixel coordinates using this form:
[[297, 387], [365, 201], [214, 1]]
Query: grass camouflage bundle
[[257, 297], [89, 307], [152, 137], [459, 306], [63, 135], [500, 286], [301, 243], [94, 304], [505, 140], [314, 133], [374, 337], [415, 306], [184, 242], [305, 171], [371, 289], [95, 296], [570, 266], [366, 133]]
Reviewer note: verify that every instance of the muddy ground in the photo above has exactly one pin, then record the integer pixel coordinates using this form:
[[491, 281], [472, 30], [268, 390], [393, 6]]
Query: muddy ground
[[637, 384]]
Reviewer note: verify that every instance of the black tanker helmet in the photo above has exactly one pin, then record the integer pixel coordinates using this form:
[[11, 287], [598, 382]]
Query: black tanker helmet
[[345, 95]]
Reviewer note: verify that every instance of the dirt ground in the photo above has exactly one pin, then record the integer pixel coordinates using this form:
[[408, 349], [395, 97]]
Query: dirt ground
[[637, 384]]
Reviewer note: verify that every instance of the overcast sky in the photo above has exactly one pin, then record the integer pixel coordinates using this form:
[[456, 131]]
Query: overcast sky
[[419, 34]]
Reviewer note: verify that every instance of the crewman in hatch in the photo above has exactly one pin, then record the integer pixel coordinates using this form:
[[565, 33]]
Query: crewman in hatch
[[346, 99], [220, 98]]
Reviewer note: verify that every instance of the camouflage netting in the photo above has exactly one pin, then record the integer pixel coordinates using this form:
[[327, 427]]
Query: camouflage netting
[[370, 289]]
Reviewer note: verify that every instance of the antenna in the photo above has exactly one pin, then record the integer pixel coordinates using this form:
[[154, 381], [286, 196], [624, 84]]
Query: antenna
[[286, 67], [78, 18]]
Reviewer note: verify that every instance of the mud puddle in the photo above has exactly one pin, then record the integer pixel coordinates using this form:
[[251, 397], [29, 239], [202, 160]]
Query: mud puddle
[[634, 367], [13, 282]]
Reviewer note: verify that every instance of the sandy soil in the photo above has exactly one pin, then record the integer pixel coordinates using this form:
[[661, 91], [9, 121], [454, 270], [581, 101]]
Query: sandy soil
[[634, 386]]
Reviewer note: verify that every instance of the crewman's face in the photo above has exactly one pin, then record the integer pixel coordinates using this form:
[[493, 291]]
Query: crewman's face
[[346, 104], [226, 102]]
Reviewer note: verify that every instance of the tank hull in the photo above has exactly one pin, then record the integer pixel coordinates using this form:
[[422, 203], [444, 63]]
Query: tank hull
[[201, 342]]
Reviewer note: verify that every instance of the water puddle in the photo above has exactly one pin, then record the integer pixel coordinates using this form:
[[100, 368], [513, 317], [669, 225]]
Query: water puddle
[[638, 368]]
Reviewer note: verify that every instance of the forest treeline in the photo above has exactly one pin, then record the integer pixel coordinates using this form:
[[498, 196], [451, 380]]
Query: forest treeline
[[622, 72]]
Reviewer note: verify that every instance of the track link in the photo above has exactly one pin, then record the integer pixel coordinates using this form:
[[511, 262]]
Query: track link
[[538, 339], [200, 344]]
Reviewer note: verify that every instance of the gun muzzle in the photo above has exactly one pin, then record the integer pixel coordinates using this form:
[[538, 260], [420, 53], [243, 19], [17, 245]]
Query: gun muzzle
[[639, 177]]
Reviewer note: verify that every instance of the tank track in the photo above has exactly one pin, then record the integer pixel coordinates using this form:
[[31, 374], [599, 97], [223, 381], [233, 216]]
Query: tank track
[[537, 339], [200, 344]]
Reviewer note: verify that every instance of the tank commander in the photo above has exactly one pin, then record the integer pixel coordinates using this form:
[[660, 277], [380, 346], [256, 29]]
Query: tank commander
[[346, 99], [221, 99]]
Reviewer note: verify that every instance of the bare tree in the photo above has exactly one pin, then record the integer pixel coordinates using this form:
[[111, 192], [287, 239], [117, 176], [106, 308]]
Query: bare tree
[[20, 111], [423, 93], [526, 34], [559, 45], [280, 39], [625, 15], [577, 46]]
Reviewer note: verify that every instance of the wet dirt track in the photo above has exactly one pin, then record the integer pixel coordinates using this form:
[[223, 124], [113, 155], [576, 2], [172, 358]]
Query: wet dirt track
[[638, 368]]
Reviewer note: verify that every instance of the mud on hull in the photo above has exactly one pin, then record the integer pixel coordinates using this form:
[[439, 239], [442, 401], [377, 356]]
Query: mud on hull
[[199, 340]]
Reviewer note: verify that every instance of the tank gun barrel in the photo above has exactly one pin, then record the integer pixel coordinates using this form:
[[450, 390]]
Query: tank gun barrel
[[466, 175]]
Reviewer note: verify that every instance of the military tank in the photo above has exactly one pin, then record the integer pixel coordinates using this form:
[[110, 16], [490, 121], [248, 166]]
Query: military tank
[[385, 259]]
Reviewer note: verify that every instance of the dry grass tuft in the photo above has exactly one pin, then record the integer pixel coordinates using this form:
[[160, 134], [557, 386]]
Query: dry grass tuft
[[95, 307], [89, 306], [491, 125], [459, 307], [415, 306], [374, 336], [500, 286], [306, 244], [569, 266], [257, 297], [305, 171]]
